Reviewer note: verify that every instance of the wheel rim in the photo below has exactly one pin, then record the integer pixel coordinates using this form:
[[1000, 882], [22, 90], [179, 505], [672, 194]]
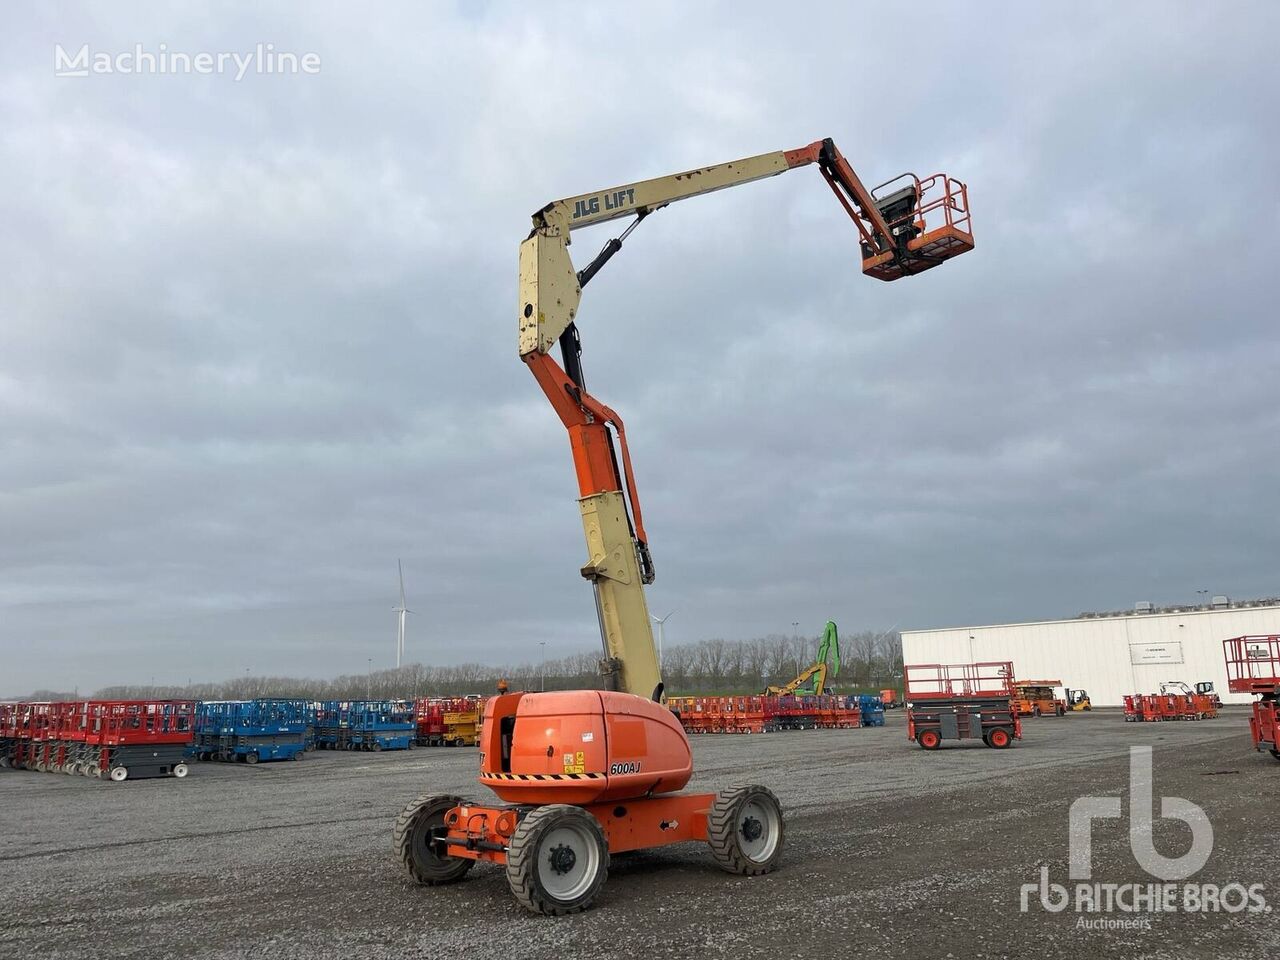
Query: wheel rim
[[119, 773], [568, 861], [429, 840], [999, 738], [758, 828]]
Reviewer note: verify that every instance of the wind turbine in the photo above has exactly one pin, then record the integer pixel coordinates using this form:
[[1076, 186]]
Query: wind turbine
[[662, 629], [402, 611]]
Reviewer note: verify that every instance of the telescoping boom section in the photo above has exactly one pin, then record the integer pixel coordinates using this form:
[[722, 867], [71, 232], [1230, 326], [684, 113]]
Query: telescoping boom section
[[914, 226]]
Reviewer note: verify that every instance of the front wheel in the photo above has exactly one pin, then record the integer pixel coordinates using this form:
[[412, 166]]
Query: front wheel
[[558, 860], [999, 738], [119, 774], [418, 840], [180, 771], [929, 739], [1276, 754], [745, 830], [251, 757]]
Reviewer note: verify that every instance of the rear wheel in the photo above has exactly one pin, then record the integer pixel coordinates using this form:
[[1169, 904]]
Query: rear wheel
[[418, 839], [999, 738], [929, 739], [745, 830], [180, 770], [119, 773], [251, 757], [558, 860], [1276, 754]]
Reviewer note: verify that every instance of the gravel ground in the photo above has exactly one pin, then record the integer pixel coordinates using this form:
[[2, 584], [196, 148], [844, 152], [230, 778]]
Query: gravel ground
[[891, 851]]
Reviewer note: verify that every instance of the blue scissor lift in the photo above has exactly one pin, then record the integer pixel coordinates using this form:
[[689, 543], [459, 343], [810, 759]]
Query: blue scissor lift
[[365, 725], [253, 730]]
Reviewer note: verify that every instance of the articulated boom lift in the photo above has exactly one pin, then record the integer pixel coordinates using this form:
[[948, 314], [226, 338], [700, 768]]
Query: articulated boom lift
[[587, 773]]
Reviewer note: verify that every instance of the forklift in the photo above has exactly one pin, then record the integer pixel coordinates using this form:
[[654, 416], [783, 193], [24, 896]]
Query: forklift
[[1078, 700]]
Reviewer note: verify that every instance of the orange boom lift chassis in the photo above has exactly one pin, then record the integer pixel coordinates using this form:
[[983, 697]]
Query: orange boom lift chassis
[[589, 773]]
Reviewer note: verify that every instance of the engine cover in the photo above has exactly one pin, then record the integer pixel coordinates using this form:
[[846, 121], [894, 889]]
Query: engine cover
[[581, 746]]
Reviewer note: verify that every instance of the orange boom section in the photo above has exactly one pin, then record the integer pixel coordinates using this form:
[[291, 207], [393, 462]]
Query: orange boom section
[[581, 746]]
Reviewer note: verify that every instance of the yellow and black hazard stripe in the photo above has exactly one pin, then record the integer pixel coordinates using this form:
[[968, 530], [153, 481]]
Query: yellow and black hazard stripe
[[541, 776]]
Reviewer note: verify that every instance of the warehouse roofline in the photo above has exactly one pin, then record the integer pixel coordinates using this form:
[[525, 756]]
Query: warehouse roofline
[[1234, 606]]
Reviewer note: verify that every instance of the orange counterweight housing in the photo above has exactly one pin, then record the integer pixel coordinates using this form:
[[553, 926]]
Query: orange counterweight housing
[[581, 747]]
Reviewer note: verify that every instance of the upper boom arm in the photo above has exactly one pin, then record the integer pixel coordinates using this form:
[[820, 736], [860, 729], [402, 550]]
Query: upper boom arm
[[895, 238]]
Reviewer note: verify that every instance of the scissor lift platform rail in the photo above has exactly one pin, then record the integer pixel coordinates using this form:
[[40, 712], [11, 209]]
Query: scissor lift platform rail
[[1253, 666]]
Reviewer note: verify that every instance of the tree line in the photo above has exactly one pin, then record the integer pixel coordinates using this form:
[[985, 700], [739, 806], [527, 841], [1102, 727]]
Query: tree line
[[716, 666]]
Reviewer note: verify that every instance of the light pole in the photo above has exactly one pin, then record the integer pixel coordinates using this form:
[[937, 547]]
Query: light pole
[[368, 689], [542, 666], [662, 632], [1205, 595]]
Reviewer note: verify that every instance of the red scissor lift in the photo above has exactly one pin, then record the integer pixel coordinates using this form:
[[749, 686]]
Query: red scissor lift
[[960, 702], [1253, 666], [8, 725], [136, 738], [428, 713], [764, 714]]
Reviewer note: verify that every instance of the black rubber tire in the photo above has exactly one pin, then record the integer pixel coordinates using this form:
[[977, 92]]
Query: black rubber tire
[[1276, 754], [930, 739], [411, 838], [525, 850], [994, 738], [724, 837]]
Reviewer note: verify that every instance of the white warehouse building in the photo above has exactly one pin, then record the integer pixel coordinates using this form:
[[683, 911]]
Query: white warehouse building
[[1108, 654]]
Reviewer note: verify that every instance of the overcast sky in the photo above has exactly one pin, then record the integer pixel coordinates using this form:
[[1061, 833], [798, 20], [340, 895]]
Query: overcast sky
[[258, 336]]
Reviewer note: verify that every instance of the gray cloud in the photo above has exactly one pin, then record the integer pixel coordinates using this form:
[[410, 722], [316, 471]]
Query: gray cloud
[[258, 338]]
